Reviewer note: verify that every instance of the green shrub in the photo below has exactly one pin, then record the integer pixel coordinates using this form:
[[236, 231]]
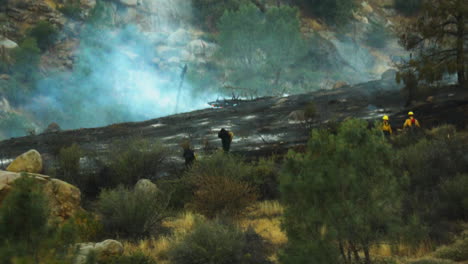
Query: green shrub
[[220, 185], [335, 12], [431, 261], [137, 159], [454, 198], [68, 169], [71, 9], [219, 164], [87, 225], [45, 34], [26, 58], [458, 251], [132, 213], [209, 242], [69, 164], [408, 7], [26, 234], [218, 195], [135, 258], [265, 178], [344, 184], [431, 167], [208, 12], [181, 192]]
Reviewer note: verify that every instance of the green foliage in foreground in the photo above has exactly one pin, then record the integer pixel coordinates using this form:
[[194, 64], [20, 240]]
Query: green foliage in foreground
[[341, 190], [213, 242], [26, 234], [133, 213], [458, 251]]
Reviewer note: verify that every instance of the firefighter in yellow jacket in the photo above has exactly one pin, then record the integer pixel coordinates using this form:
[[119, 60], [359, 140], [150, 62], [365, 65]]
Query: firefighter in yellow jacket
[[411, 122], [386, 128]]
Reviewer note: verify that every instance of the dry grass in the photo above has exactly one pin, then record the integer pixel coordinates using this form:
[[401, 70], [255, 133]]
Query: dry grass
[[182, 224], [387, 250], [268, 209], [156, 249], [265, 218]]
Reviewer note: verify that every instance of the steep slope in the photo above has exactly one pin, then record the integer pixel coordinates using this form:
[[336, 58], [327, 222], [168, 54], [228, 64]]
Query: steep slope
[[262, 127]]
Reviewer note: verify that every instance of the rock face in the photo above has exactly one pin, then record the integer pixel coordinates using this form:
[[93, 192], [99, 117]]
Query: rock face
[[103, 250], [64, 198], [30, 161]]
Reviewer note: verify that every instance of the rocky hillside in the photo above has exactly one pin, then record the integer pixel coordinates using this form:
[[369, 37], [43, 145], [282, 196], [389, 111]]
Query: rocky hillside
[[126, 60], [262, 127]]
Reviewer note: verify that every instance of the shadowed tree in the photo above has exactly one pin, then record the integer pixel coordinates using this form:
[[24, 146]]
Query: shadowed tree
[[341, 196], [257, 47], [438, 38]]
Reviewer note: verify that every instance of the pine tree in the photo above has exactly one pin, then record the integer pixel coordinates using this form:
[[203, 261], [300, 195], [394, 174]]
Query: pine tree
[[439, 40], [341, 196]]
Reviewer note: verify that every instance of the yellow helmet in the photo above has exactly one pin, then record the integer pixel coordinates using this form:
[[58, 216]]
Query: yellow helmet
[[410, 113], [385, 117]]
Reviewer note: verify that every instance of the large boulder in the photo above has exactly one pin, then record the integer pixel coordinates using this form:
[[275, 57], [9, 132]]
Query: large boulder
[[7, 44], [199, 47], [103, 250], [30, 161], [165, 52], [64, 198], [179, 37]]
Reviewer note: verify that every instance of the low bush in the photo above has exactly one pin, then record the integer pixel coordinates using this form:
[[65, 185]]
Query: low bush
[[88, 227], [431, 261], [71, 9], [135, 258], [209, 242], [45, 34], [26, 234], [213, 242], [454, 199], [132, 213], [408, 7], [137, 159], [434, 191], [220, 185], [265, 178], [458, 251], [220, 195], [208, 12]]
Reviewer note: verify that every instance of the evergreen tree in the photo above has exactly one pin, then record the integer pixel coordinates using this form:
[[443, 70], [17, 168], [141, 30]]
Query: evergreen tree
[[335, 12], [26, 233], [257, 47], [341, 195], [438, 39]]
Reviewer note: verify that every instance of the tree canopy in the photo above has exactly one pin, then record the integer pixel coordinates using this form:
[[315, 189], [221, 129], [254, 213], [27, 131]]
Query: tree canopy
[[341, 196], [438, 39], [257, 47]]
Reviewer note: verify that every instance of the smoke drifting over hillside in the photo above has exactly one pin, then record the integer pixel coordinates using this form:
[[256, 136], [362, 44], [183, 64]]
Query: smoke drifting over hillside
[[114, 77]]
